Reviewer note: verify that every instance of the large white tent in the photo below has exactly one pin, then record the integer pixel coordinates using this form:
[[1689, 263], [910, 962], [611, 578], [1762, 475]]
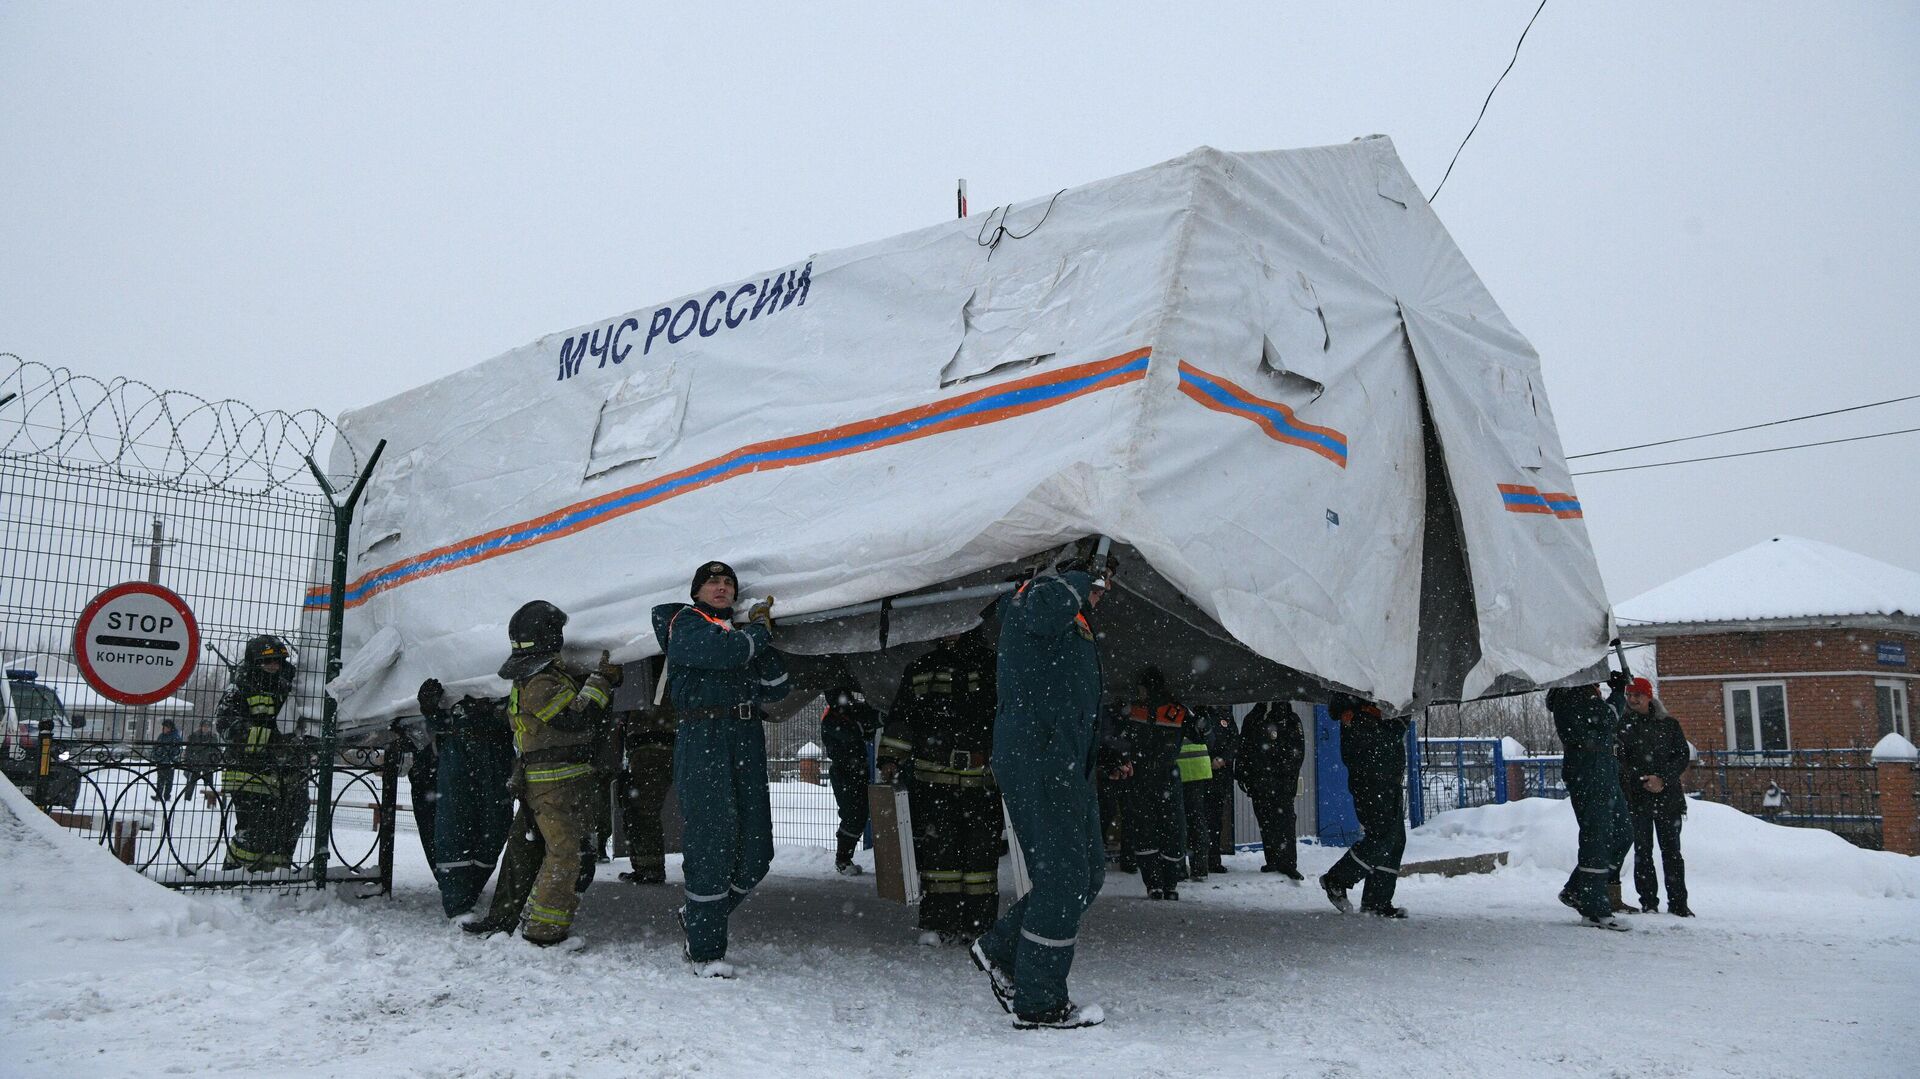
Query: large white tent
[[1271, 378]]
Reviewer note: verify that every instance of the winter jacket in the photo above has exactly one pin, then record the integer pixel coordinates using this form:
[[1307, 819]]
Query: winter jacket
[[1049, 665], [1652, 745], [1587, 727], [1150, 738], [845, 730], [942, 716], [202, 750], [713, 664], [473, 742], [556, 714], [166, 749], [1272, 745]]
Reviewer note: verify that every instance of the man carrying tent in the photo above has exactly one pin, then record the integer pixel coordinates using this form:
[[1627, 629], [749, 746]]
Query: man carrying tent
[[473, 747], [717, 675], [1587, 728], [555, 709], [648, 734], [1147, 776], [941, 727], [1043, 742], [1373, 746]]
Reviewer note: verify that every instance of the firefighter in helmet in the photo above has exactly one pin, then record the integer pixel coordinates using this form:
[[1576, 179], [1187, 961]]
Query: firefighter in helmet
[[248, 720], [941, 728], [555, 709]]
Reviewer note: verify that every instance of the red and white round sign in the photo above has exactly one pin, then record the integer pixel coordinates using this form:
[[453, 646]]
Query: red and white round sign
[[136, 643]]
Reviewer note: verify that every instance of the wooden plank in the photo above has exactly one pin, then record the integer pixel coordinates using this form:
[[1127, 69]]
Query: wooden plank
[[895, 874], [1456, 867]]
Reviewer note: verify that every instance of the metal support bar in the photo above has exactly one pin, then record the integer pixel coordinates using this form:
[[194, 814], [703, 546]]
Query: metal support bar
[[336, 619]]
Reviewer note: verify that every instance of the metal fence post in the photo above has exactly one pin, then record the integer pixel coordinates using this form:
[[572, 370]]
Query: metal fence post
[[389, 814], [1499, 771], [1416, 794], [336, 619]]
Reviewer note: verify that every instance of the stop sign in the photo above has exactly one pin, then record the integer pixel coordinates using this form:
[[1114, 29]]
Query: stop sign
[[136, 643]]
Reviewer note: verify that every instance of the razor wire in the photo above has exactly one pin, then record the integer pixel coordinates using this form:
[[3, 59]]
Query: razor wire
[[169, 438]]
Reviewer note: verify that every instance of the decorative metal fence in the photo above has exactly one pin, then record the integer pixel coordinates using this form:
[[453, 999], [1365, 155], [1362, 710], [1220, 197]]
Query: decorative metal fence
[[107, 482], [176, 824], [1835, 789]]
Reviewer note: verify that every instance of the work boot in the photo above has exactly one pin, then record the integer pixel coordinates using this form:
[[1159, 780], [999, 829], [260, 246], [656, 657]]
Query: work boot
[[1387, 910], [1336, 895], [649, 875], [1001, 982], [1620, 906], [1216, 866], [487, 927], [1065, 1017], [1679, 909], [843, 855]]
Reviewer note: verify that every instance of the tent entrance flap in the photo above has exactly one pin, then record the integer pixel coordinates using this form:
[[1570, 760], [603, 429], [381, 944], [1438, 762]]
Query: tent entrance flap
[[1449, 641]]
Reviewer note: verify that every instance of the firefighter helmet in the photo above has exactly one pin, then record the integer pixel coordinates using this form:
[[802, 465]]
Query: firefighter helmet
[[535, 630]]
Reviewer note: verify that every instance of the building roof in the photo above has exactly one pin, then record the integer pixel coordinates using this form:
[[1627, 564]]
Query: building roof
[[1784, 578]]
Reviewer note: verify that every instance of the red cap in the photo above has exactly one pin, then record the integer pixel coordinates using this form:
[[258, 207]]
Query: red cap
[[1640, 686]]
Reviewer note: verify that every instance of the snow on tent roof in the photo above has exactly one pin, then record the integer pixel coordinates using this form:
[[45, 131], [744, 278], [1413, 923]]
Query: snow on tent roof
[[1784, 577], [1220, 361]]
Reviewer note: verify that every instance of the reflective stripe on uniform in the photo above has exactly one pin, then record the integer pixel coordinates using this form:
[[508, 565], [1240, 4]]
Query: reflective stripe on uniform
[[715, 898], [939, 887], [555, 775], [1047, 942], [539, 915], [984, 882], [594, 694]]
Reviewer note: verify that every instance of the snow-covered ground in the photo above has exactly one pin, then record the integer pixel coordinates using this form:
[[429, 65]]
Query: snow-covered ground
[[1802, 963]]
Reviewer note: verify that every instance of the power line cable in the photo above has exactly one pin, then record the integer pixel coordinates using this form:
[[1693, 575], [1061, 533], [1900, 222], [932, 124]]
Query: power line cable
[[1749, 453], [1488, 101], [1750, 427]]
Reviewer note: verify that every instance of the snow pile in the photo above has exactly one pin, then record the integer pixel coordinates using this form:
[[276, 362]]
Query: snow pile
[[1725, 849], [105, 974], [59, 889]]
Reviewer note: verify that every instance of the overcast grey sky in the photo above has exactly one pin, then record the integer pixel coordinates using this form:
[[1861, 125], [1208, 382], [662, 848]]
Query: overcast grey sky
[[1699, 213]]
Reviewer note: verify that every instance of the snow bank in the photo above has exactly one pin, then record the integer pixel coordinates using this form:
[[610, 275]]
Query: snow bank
[[59, 887], [1724, 847]]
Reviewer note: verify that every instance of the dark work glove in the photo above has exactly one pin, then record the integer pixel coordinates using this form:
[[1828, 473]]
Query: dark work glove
[[431, 696], [1617, 681]]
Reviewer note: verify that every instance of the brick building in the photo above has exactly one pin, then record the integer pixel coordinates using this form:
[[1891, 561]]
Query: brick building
[[1790, 644]]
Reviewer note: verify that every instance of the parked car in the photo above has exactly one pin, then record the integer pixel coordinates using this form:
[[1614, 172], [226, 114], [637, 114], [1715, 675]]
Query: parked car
[[26, 703]]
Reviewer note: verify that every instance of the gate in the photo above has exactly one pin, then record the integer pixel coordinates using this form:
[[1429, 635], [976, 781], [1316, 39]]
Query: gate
[[106, 482]]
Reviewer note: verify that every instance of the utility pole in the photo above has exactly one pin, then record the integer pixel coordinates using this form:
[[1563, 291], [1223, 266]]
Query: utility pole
[[154, 547], [961, 197]]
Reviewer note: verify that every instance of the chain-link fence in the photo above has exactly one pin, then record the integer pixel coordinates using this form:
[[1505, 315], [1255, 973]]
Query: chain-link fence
[[103, 483]]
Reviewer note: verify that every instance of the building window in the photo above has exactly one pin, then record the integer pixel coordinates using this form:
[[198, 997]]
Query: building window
[[1757, 717], [1890, 701]]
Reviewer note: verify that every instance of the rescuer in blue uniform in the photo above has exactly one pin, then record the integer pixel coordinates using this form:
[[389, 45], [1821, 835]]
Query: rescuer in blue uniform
[[716, 676], [1373, 746], [473, 747], [1043, 742], [1588, 729]]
